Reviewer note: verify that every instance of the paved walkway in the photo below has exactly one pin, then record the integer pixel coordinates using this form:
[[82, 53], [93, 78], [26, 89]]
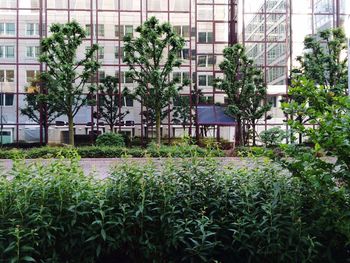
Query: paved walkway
[[102, 166]]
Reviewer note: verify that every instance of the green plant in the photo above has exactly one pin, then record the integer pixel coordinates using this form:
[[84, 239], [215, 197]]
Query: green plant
[[110, 139], [67, 76], [255, 151], [181, 151], [37, 109], [190, 211], [243, 83], [273, 136], [151, 58], [109, 104]]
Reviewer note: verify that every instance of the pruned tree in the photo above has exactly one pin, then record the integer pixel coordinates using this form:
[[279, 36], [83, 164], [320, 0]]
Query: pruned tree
[[321, 77], [151, 58], [183, 112], [256, 107], [109, 102], [67, 76], [323, 62], [243, 83], [38, 109]]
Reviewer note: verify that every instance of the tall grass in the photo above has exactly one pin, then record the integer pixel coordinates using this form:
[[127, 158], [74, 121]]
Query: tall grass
[[192, 211]]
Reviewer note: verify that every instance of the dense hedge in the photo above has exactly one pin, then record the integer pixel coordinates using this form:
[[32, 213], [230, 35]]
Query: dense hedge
[[111, 152], [191, 211], [110, 139]]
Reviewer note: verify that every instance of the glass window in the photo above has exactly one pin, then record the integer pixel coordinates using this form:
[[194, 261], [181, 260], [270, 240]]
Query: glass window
[[186, 53], [108, 4], [9, 99], [128, 101], [58, 4], [2, 75], [123, 30], [101, 53], [186, 31], [202, 80], [117, 31], [210, 80], [129, 31], [185, 76], [129, 5], [209, 37], [9, 51], [10, 29], [8, 3], [323, 6], [32, 29], [277, 6], [211, 60], [29, 3], [101, 30], [101, 75], [202, 61], [88, 29], [177, 76], [272, 100], [205, 37], [79, 4], [255, 6], [29, 52], [33, 52], [157, 5], [10, 75], [205, 12], [177, 29], [30, 75], [179, 5], [202, 37]]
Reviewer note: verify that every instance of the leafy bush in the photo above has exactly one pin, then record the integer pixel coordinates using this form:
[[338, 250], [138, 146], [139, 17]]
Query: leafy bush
[[110, 139], [180, 151], [190, 211], [254, 151], [273, 136]]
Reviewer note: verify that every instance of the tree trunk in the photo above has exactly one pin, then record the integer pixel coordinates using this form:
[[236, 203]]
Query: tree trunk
[[111, 127], [300, 120], [238, 133], [71, 129], [254, 133], [158, 135]]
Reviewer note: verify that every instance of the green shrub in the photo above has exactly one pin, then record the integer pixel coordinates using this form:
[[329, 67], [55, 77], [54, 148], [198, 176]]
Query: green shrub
[[110, 139], [273, 136], [188, 211], [181, 151], [254, 151]]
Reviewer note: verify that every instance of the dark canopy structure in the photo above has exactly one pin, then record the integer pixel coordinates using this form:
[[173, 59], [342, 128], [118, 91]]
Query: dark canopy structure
[[214, 115]]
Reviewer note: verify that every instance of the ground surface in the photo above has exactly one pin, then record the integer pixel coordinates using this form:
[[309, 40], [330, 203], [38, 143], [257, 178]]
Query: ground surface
[[101, 167]]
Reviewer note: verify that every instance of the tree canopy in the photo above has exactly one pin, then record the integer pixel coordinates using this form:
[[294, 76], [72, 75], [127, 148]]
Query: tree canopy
[[245, 88], [151, 58], [67, 75]]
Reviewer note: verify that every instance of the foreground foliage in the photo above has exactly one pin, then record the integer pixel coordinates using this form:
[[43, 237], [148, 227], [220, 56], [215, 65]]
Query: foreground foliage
[[191, 211]]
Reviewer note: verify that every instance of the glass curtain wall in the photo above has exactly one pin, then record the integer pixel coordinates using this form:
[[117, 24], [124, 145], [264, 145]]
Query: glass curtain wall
[[207, 25]]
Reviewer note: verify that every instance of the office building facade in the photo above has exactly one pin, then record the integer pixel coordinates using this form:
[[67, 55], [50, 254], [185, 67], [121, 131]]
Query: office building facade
[[271, 30]]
